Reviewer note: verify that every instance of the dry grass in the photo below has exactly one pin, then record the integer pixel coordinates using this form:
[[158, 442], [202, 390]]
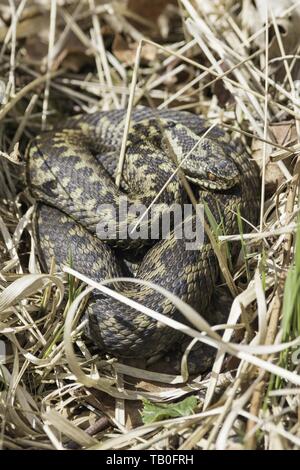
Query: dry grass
[[61, 58]]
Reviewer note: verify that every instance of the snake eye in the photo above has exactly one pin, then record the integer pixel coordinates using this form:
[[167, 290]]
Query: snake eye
[[171, 124], [211, 176]]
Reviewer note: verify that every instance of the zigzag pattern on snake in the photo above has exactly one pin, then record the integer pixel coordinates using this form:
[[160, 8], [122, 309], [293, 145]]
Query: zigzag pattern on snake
[[71, 170]]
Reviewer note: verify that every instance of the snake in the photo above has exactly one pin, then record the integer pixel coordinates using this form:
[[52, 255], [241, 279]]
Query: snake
[[71, 174]]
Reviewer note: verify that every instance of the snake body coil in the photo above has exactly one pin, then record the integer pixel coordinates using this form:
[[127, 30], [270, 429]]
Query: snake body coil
[[71, 173]]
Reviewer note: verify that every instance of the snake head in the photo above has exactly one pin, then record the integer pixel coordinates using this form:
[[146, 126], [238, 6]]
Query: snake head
[[210, 166], [207, 161]]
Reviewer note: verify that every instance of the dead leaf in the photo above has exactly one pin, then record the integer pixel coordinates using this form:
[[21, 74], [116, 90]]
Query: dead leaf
[[73, 55], [122, 50], [149, 9], [126, 52], [36, 49], [28, 27], [285, 134]]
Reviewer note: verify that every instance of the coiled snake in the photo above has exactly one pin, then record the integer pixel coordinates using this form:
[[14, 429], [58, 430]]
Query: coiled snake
[[71, 171]]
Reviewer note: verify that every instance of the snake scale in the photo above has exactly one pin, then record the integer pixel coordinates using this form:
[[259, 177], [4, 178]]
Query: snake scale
[[70, 172]]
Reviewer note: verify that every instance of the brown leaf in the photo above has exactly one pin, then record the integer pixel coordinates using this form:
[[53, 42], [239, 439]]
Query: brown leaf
[[149, 9], [284, 133], [28, 27], [122, 50], [126, 52], [73, 55], [36, 49]]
